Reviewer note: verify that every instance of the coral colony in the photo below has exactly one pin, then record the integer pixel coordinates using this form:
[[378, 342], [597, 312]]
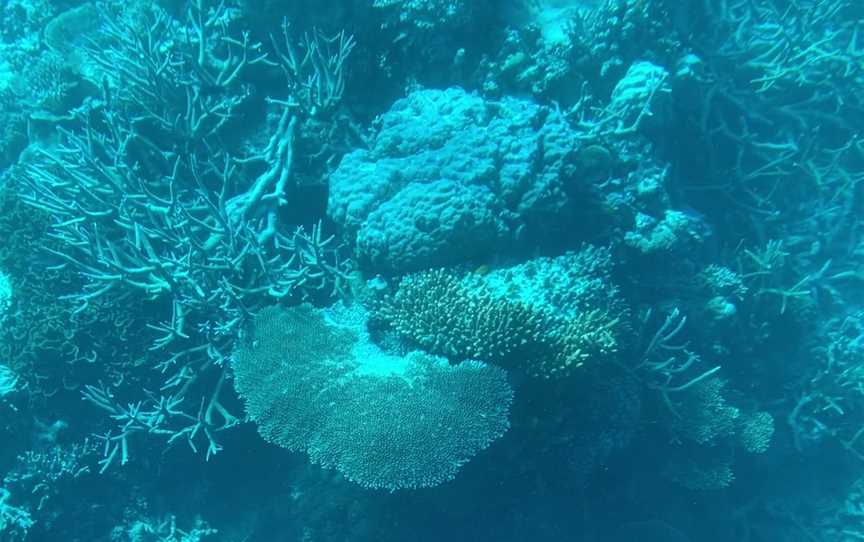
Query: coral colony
[[389, 270]]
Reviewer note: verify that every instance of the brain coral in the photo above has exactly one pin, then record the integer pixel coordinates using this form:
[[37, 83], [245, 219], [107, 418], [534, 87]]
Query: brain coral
[[313, 382], [451, 176]]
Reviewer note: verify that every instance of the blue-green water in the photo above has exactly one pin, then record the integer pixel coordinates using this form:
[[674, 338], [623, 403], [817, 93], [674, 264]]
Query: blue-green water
[[427, 270]]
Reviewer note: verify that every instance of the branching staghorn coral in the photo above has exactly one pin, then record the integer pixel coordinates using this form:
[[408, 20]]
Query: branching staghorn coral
[[5, 295], [182, 79], [14, 521], [152, 197], [704, 427], [164, 529], [43, 340], [793, 135], [667, 365], [829, 402], [315, 73], [40, 480], [8, 381], [635, 99], [796, 46], [179, 245]]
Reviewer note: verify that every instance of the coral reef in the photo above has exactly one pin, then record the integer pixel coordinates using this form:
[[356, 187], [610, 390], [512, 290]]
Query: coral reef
[[450, 177], [312, 382], [498, 318], [353, 270]]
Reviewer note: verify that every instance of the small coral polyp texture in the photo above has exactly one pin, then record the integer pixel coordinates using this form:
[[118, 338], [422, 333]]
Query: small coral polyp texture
[[313, 382], [547, 317], [451, 176]]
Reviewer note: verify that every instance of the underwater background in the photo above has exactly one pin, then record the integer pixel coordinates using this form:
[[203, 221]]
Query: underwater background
[[426, 270]]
